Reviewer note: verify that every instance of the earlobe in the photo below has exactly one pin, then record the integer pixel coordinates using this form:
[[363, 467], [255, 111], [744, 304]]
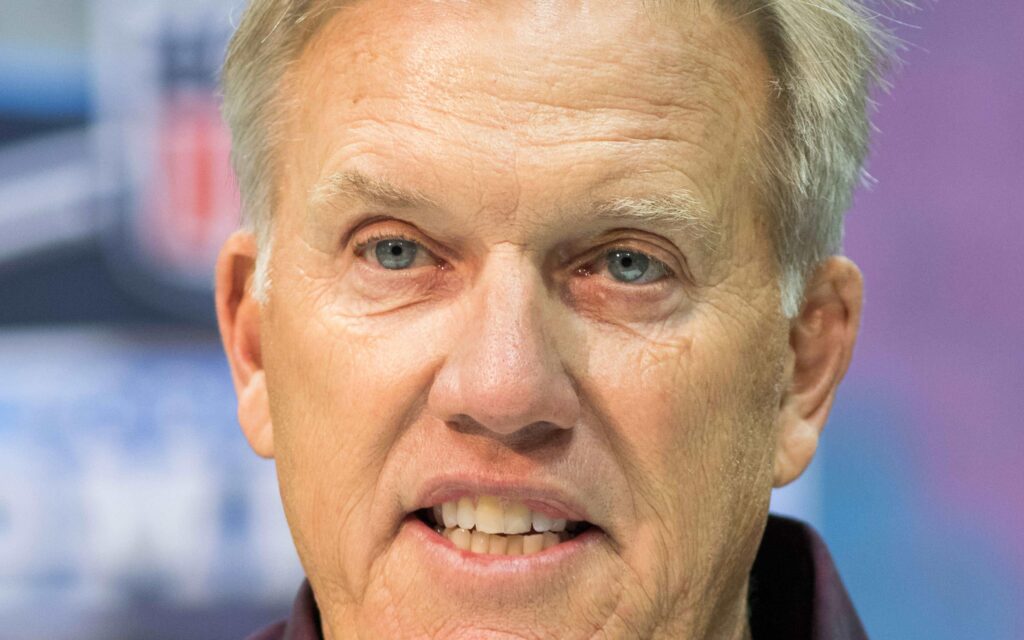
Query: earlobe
[[238, 317], [798, 441], [254, 415], [821, 341]]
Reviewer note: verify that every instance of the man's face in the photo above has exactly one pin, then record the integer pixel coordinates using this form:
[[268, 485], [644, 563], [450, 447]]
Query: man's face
[[517, 256]]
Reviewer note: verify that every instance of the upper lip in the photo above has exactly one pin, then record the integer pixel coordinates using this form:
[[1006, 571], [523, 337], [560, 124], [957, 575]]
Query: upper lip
[[543, 497]]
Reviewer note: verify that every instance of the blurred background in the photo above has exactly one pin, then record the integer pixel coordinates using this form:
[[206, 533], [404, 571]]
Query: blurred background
[[130, 505]]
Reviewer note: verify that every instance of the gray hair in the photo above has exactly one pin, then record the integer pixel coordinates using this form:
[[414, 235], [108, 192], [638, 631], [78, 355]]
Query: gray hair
[[825, 56]]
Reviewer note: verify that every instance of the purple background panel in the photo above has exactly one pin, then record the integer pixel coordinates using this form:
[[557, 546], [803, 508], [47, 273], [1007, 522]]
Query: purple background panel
[[924, 489]]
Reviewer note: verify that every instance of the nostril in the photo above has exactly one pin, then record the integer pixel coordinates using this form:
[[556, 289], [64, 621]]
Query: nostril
[[519, 437], [465, 424]]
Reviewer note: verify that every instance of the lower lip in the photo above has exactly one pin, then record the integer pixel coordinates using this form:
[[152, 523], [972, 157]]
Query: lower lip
[[481, 568]]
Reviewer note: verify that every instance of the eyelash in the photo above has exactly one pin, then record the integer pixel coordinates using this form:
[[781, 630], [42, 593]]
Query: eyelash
[[364, 244]]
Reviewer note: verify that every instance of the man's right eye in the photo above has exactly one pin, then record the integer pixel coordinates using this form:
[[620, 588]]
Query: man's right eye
[[394, 252]]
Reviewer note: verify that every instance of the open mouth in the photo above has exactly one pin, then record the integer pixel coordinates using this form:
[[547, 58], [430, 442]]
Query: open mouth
[[499, 526]]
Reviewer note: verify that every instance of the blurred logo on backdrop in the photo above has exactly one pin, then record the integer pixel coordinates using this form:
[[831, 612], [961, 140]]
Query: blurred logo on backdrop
[[125, 487], [161, 135]]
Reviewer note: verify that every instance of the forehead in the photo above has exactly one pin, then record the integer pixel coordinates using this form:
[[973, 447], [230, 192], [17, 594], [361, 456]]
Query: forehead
[[514, 102]]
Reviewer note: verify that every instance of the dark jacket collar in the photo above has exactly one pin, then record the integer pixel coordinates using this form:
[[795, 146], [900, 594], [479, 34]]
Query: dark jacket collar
[[795, 593], [795, 590]]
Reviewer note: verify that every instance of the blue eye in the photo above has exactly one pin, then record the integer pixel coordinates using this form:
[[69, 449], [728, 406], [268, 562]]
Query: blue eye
[[634, 267], [395, 253]]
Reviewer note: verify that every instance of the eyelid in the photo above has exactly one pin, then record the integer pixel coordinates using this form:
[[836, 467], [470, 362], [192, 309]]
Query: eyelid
[[363, 244], [390, 232], [594, 259]]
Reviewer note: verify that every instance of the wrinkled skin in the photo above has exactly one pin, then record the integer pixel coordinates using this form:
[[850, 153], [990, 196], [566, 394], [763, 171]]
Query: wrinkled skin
[[668, 408]]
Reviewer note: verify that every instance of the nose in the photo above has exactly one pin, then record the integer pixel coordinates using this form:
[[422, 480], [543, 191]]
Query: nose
[[504, 372]]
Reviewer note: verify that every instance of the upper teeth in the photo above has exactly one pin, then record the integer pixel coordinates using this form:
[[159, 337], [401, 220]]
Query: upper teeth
[[495, 515]]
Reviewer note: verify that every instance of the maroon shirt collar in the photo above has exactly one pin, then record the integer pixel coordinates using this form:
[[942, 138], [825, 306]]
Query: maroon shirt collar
[[795, 589], [795, 593]]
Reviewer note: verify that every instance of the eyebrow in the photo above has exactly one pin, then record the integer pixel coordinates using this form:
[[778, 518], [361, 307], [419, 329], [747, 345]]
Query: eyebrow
[[355, 185], [677, 211]]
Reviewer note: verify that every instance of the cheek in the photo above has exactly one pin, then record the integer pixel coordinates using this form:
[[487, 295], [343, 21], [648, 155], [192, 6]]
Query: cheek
[[341, 394], [693, 435], [657, 394]]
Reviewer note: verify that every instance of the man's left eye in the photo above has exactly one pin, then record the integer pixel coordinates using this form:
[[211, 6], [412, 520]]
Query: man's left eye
[[634, 267], [395, 253]]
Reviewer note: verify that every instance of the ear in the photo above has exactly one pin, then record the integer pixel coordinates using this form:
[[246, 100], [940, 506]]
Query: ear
[[821, 340], [238, 316]]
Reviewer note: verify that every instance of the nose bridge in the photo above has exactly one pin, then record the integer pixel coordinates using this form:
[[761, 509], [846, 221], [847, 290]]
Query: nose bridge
[[505, 372], [509, 322]]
